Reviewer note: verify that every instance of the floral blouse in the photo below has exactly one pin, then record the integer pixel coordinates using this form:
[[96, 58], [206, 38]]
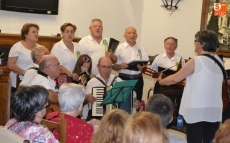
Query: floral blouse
[[34, 132]]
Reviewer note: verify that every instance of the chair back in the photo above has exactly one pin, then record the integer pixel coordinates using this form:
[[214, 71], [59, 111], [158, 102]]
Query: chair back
[[7, 136], [60, 127]]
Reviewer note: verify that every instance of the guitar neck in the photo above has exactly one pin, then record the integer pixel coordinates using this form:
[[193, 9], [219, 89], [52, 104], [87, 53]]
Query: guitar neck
[[154, 74]]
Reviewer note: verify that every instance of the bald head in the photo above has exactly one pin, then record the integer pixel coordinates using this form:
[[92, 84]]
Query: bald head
[[106, 59], [46, 60], [50, 65], [130, 28], [104, 67]]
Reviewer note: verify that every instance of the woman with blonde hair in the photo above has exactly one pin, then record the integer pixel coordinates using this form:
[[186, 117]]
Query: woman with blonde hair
[[111, 128], [144, 127]]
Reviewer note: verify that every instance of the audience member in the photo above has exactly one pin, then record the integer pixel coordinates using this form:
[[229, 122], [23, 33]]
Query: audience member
[[30, 74], [66, 50], [71, 97], [48, 70], [83, 68], [223, 133], [201, 103], [95, 45], [111, 128], [144, 127], [126, 52], [161, 105], [19, 59], [28, 107]]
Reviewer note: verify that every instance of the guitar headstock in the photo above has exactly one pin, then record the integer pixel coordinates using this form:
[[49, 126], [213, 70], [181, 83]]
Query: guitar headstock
[[149, 72]]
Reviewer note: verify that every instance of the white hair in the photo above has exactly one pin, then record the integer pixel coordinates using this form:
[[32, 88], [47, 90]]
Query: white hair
[[70, 97]]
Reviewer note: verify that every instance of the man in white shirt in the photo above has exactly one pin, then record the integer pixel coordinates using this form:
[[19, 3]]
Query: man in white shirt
[[107, 79], [49, 69], [126, 52], [173, 62], [95, 45], [36, 55]]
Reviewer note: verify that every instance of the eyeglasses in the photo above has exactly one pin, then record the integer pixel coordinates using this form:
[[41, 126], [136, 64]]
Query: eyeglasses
[[69, 31], [105, 67], [196, 40], [85, 59]]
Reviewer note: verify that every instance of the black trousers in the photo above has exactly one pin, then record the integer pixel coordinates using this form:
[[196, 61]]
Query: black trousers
[[201, 132], [138, 88]]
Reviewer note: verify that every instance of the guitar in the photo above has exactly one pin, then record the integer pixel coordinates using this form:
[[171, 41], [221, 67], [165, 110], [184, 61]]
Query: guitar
[[154, 74]]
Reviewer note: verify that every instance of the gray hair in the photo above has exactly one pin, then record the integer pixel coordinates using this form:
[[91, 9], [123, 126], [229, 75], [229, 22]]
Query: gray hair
[[34, 52], [43, 64], [70, 97], [96, 19]]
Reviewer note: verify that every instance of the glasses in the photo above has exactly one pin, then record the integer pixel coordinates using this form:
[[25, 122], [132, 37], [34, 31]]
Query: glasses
[[69, 31], [196, 40], [85, 59], [105, 67]]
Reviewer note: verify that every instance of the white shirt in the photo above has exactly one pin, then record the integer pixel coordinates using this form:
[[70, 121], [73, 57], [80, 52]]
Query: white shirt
[[29, 76], [46, 82], [202, 96], [163, 61], [90, 47], [126, 53], [65, 56], [24, 60], [93, 82]]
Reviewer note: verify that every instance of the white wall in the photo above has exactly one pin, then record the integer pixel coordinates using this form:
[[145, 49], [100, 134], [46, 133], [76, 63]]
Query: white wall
[[153, 22], [157, 24], [115, 14]]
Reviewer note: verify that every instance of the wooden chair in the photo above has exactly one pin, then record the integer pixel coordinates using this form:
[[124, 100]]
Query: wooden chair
[[61, 127], [7, 136]]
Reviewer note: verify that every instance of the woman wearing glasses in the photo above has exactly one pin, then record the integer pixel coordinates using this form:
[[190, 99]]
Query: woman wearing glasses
[[28, 106], [201, 103], [66, 50]]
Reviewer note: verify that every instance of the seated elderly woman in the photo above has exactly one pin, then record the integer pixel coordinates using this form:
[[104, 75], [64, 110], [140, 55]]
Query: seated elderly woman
[[144, 127], [28, 106], [71, 97], [111, 128]]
